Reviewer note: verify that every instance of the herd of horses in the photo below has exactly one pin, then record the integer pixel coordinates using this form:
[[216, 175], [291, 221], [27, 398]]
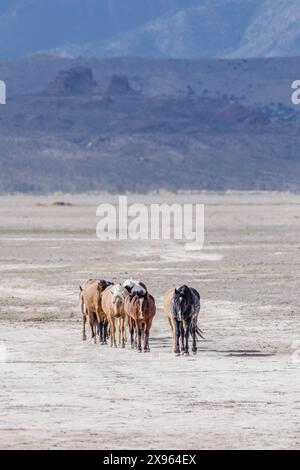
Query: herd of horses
[[110, 308]]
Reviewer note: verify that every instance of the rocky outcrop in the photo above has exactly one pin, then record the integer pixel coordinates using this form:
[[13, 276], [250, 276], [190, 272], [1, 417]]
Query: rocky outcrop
[[76, 81], [119, 85]]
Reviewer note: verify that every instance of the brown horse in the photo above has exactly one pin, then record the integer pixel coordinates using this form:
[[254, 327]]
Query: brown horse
[[91, 296], [113, 300], [140, 312]]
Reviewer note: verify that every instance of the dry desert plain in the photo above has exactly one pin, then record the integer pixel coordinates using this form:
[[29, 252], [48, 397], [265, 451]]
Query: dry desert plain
[[242, 390]]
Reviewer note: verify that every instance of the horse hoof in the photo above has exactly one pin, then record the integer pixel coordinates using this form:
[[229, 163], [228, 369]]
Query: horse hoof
[[84, 338], [186, 354], [177, 354], [195, 353]]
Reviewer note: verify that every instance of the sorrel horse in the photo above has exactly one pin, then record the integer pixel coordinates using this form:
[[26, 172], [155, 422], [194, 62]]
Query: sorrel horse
[[140, 310]]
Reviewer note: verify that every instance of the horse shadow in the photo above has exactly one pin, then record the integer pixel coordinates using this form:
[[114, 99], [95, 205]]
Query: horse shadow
[[205, 346]]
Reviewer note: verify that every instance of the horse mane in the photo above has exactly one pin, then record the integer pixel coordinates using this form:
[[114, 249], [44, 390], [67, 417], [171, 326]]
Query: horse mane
[[184, 289], [144, 286], [117, 290], [102, 285], [135, 287]]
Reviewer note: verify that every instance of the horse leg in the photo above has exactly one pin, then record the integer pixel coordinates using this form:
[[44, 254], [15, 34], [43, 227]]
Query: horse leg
[[187, 329], [99, 318], [147, 335], [194, 334], [101, 332], [113, 332], [93, 328], [139, 332], [122, 332], [146, 338], [125, 332], [98, 329], [173, 330], [120, 322], [135, 334], [177, 337], [131, 331], [83, 327], [119, 331], [182, 337], [106, 331]]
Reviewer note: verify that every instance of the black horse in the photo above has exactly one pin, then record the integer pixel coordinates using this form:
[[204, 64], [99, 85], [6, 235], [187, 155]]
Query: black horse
[[185, 308]]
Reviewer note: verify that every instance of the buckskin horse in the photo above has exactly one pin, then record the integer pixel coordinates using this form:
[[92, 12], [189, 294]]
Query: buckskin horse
[[140, 310], [90, 297], [113, 299], [182, 307]]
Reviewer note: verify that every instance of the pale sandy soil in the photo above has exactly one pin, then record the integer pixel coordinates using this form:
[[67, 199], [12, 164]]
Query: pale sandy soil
[[242, 390]]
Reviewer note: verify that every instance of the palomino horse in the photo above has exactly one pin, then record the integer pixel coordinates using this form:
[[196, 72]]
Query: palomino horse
[[90, 296], [182, 307], [140, 312], [113, 299]]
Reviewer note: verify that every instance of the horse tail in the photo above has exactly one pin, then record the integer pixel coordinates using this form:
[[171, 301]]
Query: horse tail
[[199, 332]]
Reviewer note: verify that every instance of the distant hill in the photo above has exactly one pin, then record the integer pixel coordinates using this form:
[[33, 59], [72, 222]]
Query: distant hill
[[28, 26], [79, 135], [210, 29], [215, 29], [150, 28], [259, 83]]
